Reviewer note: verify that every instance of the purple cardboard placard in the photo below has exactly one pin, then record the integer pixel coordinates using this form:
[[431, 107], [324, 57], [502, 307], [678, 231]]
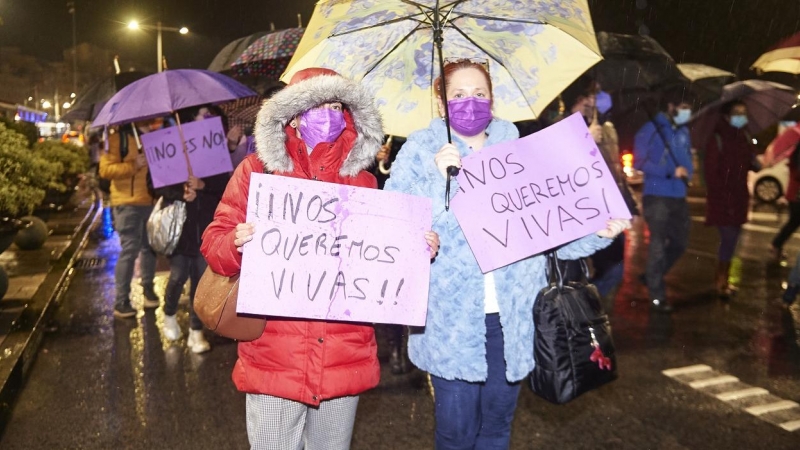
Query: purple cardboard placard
[[334, 252], [520, 198], [206, 145]]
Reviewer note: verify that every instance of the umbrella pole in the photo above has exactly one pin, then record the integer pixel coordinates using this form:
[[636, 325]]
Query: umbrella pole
[[438, 37], [183, 145], [136, 136]]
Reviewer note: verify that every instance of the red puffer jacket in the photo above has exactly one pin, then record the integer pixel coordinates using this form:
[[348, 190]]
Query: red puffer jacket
[[302, 360]]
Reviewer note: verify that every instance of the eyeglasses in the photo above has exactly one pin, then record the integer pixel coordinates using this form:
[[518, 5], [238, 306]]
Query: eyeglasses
[[479, 61]]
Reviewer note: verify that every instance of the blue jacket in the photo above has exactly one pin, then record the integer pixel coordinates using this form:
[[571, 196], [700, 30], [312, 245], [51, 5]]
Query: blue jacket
[[652, 157], [452, 345]]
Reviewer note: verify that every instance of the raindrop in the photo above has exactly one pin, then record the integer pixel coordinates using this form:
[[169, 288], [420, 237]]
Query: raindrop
[[641, 4], [644, 30]]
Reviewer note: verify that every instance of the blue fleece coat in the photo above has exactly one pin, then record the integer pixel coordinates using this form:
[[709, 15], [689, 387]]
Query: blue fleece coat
[[452, 345], [658, 164]]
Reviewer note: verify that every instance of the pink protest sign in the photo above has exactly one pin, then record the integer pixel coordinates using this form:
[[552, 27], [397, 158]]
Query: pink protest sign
[[520, 198], [333, 252], [206, 144]]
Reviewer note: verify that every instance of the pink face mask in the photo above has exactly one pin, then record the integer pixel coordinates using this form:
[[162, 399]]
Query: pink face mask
[[469, 116], [321, 125]]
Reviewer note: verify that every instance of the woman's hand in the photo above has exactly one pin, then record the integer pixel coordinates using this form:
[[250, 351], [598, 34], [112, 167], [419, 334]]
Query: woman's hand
[[195, 183], [244, 234], [189, 194], [432, 238], [614, 227], [448, 156]]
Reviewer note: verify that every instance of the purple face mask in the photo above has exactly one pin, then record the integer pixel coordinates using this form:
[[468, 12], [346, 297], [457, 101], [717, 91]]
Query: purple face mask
[[321, 125], [469, 116]]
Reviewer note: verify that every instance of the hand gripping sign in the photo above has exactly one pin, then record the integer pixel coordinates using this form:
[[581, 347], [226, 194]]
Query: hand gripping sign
[[334, 252], [520, 198]]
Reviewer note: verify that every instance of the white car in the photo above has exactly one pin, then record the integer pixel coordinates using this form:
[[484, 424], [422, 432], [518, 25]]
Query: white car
[[770, 183]]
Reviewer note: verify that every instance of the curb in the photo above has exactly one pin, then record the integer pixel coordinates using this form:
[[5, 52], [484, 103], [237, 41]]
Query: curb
[[19, 349]]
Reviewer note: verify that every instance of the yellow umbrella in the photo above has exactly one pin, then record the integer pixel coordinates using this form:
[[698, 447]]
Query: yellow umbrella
[[533, 49]]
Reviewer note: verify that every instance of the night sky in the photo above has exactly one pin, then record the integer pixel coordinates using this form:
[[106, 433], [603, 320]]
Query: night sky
[[729, 34]]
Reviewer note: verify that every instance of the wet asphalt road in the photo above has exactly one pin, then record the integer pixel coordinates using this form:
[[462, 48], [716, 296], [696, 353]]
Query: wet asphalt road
[[101, 383]]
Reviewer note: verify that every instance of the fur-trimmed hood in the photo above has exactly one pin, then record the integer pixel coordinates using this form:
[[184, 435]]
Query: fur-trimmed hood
[[270, 134]]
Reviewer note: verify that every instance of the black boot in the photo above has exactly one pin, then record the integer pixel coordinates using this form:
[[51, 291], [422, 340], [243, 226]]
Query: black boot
[[790, 294], [398, 358]]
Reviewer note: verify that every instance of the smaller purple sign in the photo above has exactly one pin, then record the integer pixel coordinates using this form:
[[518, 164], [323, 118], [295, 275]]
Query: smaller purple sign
[[206, 145]]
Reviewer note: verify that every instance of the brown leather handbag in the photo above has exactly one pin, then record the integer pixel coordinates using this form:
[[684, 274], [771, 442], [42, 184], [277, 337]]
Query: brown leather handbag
[[215, 305]]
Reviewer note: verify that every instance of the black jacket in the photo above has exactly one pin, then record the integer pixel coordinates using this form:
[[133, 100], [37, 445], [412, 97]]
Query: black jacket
[[199, 213]]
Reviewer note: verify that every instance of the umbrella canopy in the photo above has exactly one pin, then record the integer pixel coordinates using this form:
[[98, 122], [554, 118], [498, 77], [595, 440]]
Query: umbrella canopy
[[767, 103], [783, 57], [706, 81], [635, 62], [269, 55], [231, 52], [166, 92], [534, 50], [697, 72], [92, 99]]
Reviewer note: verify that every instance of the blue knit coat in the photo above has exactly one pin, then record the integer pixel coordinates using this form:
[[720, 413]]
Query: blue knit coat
[[452, 345]]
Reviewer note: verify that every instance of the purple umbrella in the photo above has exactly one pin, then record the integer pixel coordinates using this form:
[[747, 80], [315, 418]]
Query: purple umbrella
[[166, 92]]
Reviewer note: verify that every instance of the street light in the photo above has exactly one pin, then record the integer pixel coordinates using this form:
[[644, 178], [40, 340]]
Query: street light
[[135, 25], [46, 104]]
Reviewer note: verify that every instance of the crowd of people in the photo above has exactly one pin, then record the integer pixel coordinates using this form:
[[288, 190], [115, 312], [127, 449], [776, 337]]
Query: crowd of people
[[302, 378]]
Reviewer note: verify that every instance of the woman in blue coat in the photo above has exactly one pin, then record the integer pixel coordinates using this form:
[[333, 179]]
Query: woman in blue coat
[[477, 343]]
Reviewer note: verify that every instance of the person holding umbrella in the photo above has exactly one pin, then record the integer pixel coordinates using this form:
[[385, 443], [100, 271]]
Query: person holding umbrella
[[126, 166], [303, 377], [662, 150], [477, 343], [729, 155]]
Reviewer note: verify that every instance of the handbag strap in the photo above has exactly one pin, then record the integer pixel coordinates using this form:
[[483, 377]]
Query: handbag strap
[[553, 269]]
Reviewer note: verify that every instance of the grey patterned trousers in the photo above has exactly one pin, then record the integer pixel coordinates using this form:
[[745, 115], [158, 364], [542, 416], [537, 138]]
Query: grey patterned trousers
[[278, 424]]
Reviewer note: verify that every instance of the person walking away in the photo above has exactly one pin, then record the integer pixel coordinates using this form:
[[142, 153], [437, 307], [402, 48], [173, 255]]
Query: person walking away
[[477, 343], [303, 377], [786, 143], [662, 151], [729, 156], [126, 166]]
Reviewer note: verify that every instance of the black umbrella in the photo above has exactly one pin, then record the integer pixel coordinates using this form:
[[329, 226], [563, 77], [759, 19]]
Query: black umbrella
[[634, 62], [231, 52], [91, 100]]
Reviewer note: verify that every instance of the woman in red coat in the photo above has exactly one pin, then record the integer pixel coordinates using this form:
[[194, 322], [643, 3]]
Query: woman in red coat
[[303, 377], [729, 156]]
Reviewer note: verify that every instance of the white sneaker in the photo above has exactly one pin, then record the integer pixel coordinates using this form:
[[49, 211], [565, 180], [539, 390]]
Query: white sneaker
[[172, 331], [197, 342]]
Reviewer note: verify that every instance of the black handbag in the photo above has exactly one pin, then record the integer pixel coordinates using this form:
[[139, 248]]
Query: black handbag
[[573, 349]]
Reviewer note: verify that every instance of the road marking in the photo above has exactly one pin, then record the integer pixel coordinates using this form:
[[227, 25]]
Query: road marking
[[792, 425], [740, 394], [722, 379], [771, 407], [686, 370], [792, 418]]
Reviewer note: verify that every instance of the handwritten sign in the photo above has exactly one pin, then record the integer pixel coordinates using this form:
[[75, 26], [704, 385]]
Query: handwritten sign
[[206, 145], [520, 198], [333, 252]]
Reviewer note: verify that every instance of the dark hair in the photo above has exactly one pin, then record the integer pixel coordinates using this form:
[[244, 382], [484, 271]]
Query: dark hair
[[584, 86], [728, 107], [452, 67], [676, 96], [188, 114]]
